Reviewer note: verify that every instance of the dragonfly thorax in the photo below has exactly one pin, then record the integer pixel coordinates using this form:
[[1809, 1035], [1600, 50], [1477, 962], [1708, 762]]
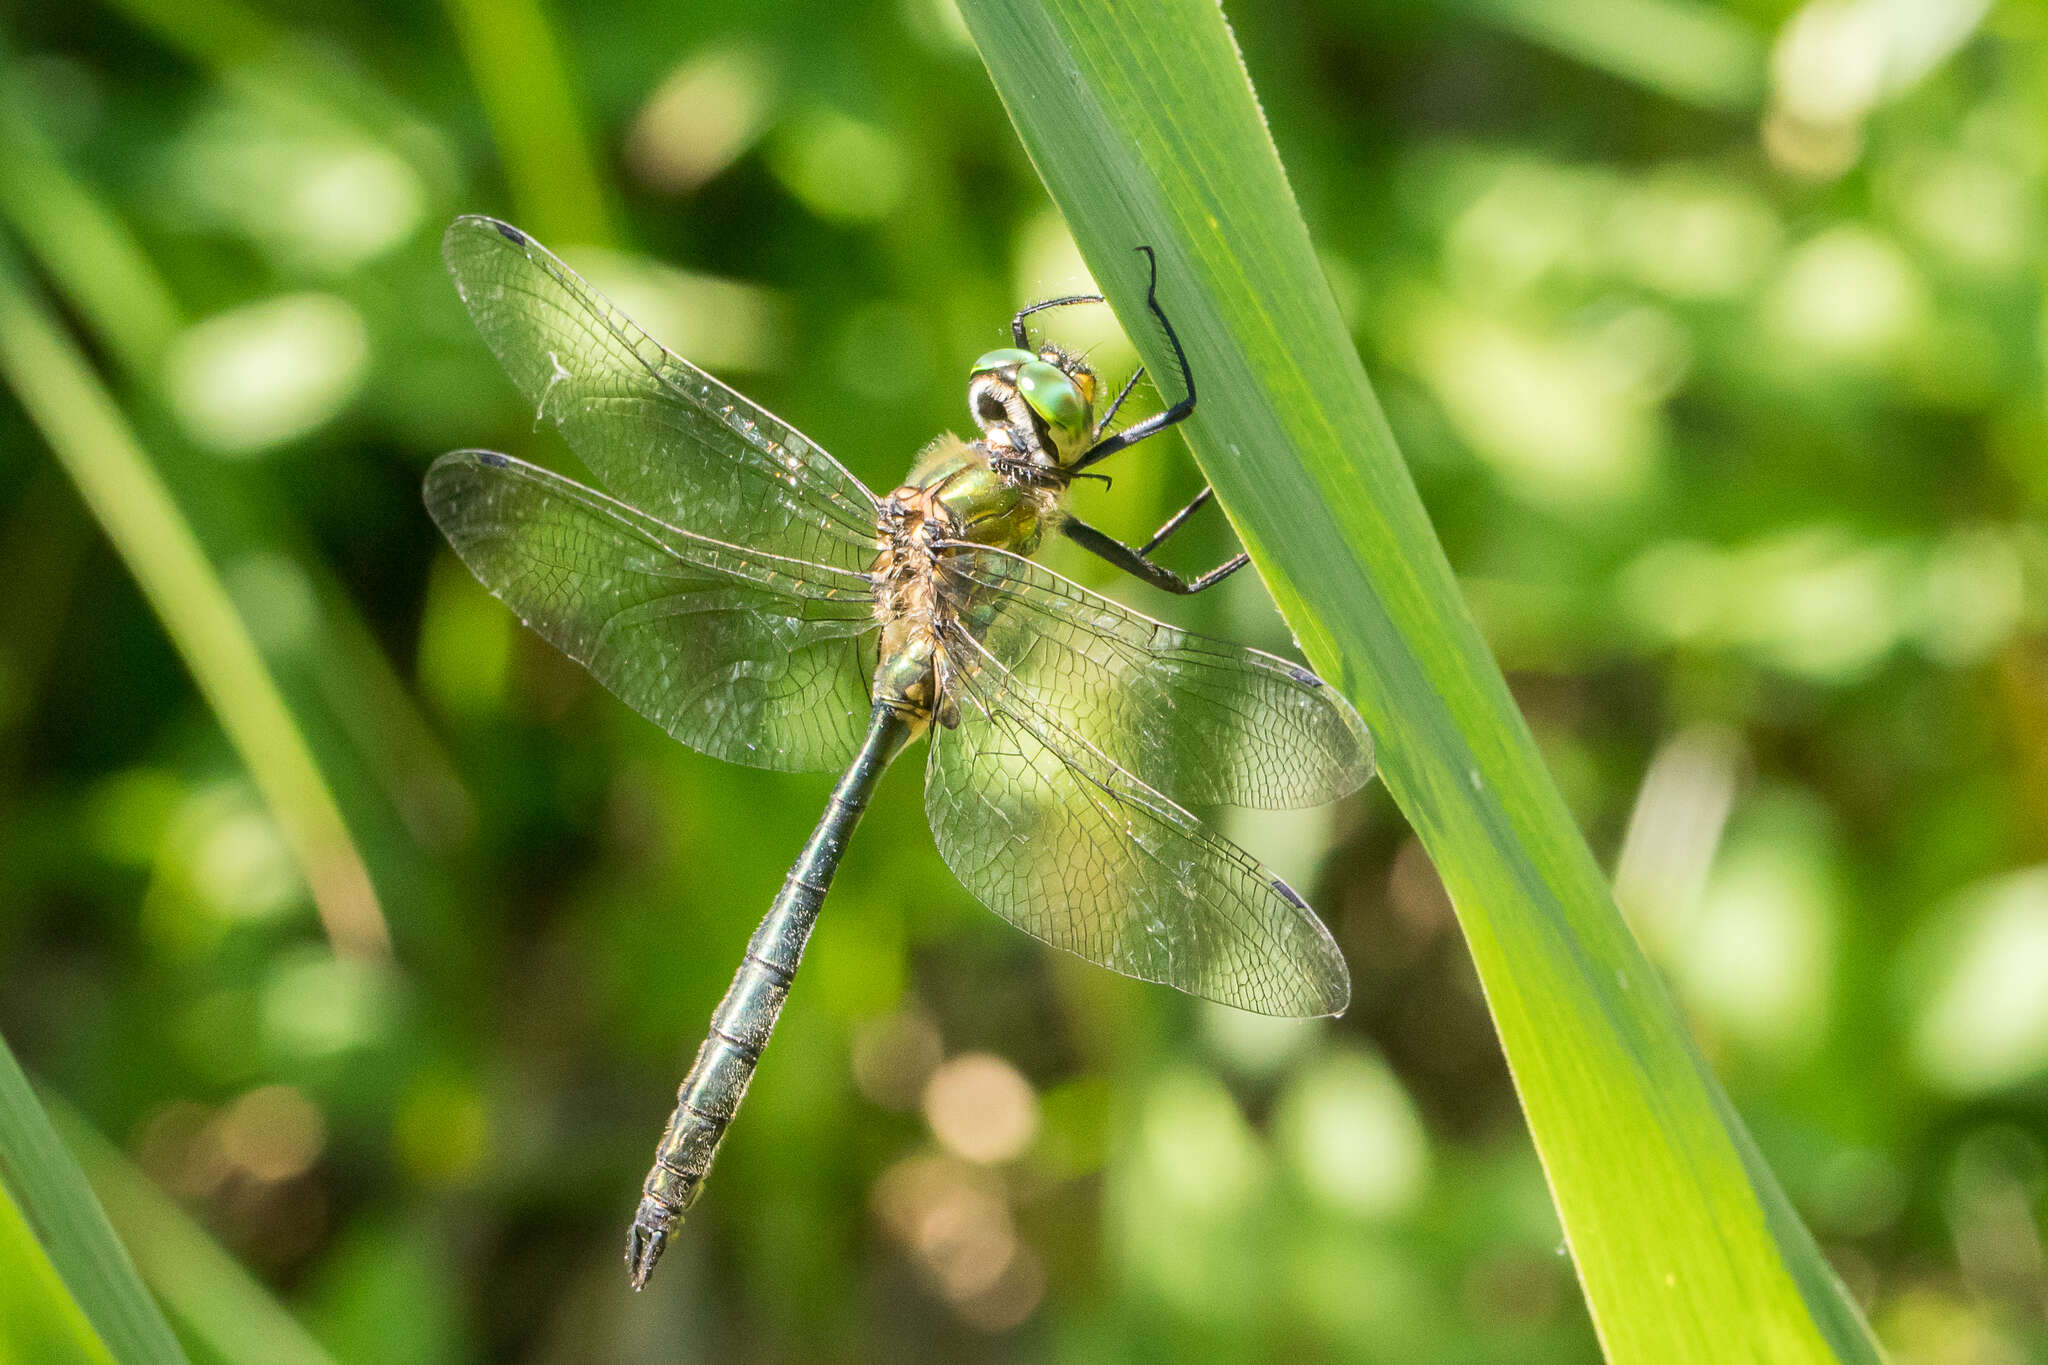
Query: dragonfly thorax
[[910, 524], [957, 495]]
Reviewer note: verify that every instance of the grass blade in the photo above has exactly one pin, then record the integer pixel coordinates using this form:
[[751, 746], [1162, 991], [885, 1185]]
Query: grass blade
[[95, 265], [1142, 122], [526, 92], [1694, 53], [84, 243], [42, 1183], [219, 1303], [85, 429]]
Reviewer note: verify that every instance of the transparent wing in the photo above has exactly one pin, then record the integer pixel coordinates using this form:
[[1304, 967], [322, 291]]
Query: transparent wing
[[748, 656], [1071, 848], [657, 431], [1203, 721]]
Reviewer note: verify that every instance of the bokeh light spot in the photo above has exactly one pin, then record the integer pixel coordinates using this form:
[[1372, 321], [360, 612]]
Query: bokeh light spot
[[316, 1004], [956, 1223], [273, 1133], [981, 1108], [1848, 295], [1984, 1025], [263, 374], [894, 1056], [1353, 1137], [840, 168], [704, 116]]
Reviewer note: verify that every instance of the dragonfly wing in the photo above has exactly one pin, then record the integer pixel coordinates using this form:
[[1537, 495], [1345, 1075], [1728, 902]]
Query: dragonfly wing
[[748, 656], [1203, 721], [1068, 846], [656, 430]]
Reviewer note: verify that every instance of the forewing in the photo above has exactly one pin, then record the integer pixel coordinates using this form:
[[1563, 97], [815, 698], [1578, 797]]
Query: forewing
[[657, 431], [747, 656], [1203, 721], [1068, 846]]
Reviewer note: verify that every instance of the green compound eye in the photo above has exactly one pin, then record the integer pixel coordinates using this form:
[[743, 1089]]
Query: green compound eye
[[1002, 359], [1054, 396]]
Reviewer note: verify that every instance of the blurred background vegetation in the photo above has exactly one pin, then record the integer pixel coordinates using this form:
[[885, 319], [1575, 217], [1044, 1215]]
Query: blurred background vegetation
[[1713, 333]]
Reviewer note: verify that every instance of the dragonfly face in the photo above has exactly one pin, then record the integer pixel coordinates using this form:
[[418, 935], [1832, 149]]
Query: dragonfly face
[[738, 587], [1035, 409]]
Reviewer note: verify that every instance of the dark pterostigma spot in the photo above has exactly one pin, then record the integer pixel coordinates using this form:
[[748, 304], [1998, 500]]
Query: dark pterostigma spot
[[1287, 894], [509, 233], [1301, 675], [493, 459]]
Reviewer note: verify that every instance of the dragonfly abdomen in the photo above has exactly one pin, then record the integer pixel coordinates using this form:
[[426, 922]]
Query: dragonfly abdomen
[[740, 1027], [710, 1095]]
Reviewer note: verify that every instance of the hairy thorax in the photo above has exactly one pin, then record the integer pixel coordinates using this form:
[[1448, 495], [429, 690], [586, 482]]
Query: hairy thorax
[[954, 495]]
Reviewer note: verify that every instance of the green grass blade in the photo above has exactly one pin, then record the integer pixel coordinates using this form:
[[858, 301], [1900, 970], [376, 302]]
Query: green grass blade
[[527, 94], [94, 264], [247, 49], [39, 1319], [1141, 120], [1695, 53], [83, 242], [218, 1303], [89, 436], [45, 1187]]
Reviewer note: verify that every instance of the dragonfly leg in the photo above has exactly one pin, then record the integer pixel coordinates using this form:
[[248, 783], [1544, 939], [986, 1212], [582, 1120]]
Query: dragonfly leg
[[1135, 563], [1022, 337], [1158, 422], [1151, 426], [1177, 520], [1122, 394]]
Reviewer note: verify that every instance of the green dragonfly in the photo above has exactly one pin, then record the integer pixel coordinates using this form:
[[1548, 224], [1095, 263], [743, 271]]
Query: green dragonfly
[[743, 591]]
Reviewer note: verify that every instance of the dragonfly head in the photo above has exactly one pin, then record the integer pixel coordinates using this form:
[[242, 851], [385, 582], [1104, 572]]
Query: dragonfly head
[[1040, 405]]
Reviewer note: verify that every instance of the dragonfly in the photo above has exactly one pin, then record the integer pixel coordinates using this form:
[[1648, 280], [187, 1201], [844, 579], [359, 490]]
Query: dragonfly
[[741, 589]]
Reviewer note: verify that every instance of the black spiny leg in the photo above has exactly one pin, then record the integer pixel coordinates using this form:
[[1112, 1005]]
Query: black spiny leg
[[1177, 520], [1023, 338], [1135, 563], [1121, 395], [1151, 426], [1158, 422]]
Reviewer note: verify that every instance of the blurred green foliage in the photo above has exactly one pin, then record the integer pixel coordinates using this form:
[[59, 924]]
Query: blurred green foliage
[[1722, 379]]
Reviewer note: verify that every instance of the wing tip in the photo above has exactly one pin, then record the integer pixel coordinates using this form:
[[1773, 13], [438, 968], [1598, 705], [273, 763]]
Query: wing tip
[[471, 455], [448, 478], [470, 222], [1368, 750], [462, 238], [1360, 767], [1331, 995]]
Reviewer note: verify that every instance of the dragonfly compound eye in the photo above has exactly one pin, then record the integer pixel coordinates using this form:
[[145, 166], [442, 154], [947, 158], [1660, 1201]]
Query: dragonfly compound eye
[[999, 361], [1057, 400]]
